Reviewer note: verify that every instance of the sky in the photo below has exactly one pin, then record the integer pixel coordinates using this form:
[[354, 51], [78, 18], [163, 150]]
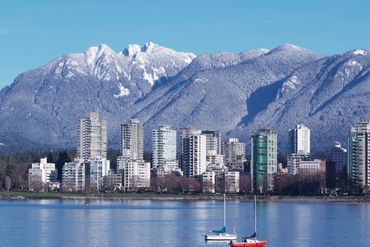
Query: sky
[[35, 32]]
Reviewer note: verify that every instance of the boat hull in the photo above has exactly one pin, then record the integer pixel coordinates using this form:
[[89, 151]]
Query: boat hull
[[220, 237], [250, 243]]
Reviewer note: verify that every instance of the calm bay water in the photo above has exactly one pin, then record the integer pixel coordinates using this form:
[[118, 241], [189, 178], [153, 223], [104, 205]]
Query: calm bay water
[[167, 223]]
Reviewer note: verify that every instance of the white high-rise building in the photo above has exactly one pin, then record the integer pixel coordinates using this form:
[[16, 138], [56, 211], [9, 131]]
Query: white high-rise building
[[213, 140], [234, 151], [136, 175], [193, 152], [41, 174], [132, 139], [163, 145], [213, 146], [300, 140], [91, 138]]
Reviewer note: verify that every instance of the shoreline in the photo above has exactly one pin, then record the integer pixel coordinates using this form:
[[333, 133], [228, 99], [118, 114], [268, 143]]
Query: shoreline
[[177, 197]]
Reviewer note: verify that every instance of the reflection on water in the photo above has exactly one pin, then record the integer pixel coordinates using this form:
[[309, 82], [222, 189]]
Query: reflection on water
[[183, 224]]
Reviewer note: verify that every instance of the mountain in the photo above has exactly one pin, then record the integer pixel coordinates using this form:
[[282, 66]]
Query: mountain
[[329, 96], [41, 107], [214, 98], [236, 93]]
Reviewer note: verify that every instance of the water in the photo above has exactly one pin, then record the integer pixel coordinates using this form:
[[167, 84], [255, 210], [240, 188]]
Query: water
[[156, 223]]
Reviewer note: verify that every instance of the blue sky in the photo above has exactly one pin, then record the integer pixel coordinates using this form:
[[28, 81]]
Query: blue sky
[[34, 32]]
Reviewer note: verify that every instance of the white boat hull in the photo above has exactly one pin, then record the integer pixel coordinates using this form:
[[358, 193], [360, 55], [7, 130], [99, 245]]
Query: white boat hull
[[220, 237]]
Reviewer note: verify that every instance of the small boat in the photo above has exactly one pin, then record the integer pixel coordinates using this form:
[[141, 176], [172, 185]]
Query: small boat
[[252, 240], [220, 235]]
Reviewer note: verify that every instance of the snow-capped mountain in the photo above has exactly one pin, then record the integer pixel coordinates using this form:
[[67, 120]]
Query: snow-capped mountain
[[329, 95], [236, 93], [42, 106]]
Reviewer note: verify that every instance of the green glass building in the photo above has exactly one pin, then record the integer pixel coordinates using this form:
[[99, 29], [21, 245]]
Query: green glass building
[[359, 155], [264, 160]]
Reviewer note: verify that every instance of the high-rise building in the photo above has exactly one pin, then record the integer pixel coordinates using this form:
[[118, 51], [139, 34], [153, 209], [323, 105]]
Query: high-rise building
[[163, 145], [213, 140], [358, 155], [264, 160], [213, 147], [234, 151], [193, 152], [132, 139], [299, 139], [91, 138]]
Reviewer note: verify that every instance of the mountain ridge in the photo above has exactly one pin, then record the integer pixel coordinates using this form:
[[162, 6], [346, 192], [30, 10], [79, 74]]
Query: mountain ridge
[[236, 93]]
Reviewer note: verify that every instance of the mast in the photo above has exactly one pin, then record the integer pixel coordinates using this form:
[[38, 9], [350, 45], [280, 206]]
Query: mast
[[255, 215], [224, 210]]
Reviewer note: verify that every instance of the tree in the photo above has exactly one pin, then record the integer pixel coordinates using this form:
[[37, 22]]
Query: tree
[[245, 184], [50, 157], [9, 170], [8, 183], [36, 185], [172, 183]]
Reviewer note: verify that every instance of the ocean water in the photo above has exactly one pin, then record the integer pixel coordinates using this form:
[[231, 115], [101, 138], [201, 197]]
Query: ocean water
[[179, 223]]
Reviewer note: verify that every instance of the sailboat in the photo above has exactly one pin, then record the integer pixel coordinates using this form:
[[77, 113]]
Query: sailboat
[[252, 240], [221, 234]]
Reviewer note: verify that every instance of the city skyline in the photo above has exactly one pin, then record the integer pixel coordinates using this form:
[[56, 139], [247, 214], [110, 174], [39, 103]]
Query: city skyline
[[59, 28], [151, 123]]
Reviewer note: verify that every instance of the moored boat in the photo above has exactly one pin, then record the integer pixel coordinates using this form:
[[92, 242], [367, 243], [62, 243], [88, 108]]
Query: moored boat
[[221, 235], [249, 243], [252, 240]]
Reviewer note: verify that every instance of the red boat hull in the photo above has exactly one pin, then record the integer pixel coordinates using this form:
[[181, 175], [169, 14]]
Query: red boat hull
[[245, 244]]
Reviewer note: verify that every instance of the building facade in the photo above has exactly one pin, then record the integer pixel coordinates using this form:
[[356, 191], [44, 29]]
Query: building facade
[[358, 155], [232, 181], [73, 176], [98, 169], [299, 139], [293, 161], [209, 182], [164, 145], [136, 175], [234, 151], [311, 167], [193, 152], [338, 155], [132, 139], [91, 138], [213, 145], [263, 160], [41, 174]]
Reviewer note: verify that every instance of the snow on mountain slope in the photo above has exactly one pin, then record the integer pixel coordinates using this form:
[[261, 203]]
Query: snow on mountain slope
[[236, 93], [329, 96], [42, 105]]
